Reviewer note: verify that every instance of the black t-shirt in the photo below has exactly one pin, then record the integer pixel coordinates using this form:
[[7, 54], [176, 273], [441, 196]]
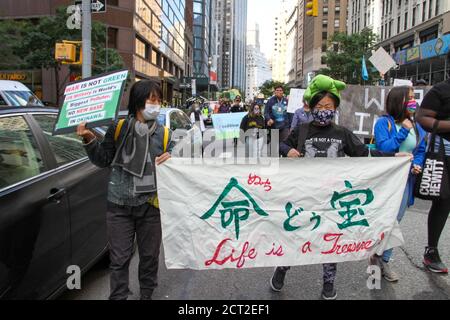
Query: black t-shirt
[[332, 141], [236, 108], [252, 122], [438, 100]]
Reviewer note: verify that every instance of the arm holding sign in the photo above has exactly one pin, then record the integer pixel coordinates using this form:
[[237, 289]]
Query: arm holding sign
[[102, 153]]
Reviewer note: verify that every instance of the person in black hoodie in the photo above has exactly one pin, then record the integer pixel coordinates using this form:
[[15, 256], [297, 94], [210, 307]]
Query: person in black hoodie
[[323, 139], [237, 107], [254, 121]]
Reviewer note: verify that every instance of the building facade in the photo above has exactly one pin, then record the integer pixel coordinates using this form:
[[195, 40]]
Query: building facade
[[317, 31], [291, 47], [257, 66], [417, 35], [148, 34], [232, 27]]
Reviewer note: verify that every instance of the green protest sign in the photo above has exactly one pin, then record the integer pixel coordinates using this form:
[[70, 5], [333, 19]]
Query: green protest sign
[[93, 100]]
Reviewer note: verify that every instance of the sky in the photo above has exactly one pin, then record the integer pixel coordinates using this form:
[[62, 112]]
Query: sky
[[263, 12]]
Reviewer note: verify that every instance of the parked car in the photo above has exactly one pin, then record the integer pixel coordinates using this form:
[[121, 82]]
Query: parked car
[[13, 93], [175, 119], [52, 205]]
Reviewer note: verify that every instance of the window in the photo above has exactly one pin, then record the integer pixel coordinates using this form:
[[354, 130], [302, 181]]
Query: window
[[430, 9], [406, 22], [424, 10], [2, 101], [20, 158], [112, 37], [66, 148], [113, 3], [414, 17]]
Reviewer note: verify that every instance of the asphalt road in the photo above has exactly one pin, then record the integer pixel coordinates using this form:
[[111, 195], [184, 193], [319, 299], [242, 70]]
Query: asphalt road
[[302, 283]]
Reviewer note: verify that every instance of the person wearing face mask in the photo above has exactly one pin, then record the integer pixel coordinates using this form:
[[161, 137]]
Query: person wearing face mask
[[398, 131], [197, 117], [254, 121], [323, 139], [133, 148]]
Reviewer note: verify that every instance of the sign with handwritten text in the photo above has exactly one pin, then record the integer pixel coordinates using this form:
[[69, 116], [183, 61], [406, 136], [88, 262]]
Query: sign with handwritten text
[[227, 125], [93, 100], [304, 211]]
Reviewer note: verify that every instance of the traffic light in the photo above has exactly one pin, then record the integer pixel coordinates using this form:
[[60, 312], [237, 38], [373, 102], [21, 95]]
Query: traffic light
[[312, 8]]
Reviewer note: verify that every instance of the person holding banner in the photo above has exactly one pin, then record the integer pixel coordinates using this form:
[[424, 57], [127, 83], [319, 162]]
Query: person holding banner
[[397, 131], [323, 138], [133, 148], [435, 110], [254, 121]]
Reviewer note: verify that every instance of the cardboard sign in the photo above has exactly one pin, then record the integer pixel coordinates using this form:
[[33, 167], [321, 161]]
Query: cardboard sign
[[94, 100], [295, 100]]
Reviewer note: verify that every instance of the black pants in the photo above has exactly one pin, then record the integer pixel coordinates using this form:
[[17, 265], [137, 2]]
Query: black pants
[[123, 223]]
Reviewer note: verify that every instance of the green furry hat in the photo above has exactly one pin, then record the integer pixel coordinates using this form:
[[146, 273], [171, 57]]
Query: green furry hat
[[324, 83]]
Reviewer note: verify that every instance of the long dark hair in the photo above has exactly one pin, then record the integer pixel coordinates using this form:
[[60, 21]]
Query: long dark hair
[[396, 107], [395, 103], [140, 92]]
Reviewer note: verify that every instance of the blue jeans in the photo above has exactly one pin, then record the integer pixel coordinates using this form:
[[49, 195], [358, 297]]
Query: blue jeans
[[401, 213]]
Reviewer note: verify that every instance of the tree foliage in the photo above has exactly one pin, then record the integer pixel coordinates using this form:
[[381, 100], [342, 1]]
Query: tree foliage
[[268, 87], [31, 45], [344, 57]]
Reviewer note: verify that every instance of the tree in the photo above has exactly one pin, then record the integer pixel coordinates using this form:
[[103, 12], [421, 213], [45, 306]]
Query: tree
[[35, 45], [268, 87], [344, 57]]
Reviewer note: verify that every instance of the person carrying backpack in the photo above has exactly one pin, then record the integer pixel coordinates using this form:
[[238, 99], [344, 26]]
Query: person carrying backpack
[[399, 132], [133, 148]]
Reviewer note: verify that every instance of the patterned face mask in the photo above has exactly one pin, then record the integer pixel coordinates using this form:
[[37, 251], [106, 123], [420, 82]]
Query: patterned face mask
[[323, 117], [411, 106]]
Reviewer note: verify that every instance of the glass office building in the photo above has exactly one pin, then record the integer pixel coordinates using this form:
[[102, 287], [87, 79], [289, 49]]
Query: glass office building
[[160, 44], [201, 37]]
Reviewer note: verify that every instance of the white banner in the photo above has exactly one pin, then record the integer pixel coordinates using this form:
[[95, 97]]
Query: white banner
[[307, 211]]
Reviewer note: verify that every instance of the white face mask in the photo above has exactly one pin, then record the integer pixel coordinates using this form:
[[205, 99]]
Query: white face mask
[[151, 111]]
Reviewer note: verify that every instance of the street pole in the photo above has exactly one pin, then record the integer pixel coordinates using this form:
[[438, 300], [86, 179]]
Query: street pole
[[86, 35], [107, 48]]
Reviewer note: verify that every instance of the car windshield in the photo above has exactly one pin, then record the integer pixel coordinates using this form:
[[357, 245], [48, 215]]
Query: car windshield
[[21, 98]]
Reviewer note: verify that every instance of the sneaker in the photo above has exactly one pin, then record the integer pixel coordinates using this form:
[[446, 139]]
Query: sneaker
[[432, 261], [387, 272], [329, 292], [277, 280]]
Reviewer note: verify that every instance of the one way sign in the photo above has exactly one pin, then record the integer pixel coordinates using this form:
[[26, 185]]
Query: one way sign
[[97, 6]]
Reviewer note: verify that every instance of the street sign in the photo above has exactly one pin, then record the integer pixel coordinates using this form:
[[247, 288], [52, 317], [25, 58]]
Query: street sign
[[382, 61], [97, 6]]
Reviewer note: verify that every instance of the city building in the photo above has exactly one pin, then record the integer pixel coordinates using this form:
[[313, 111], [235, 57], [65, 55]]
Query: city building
[[316, 33], [258, 67], [280, 50], [232, 17], [148, 34], [291, 47], [364, 14], [417, 35]]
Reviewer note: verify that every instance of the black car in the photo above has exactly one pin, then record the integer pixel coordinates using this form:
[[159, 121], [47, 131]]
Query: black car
[[52, 205]]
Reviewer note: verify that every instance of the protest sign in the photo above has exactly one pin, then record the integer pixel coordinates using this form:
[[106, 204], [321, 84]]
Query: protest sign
[[295, 100], [217, 216], [94, 100], [227, 125]]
